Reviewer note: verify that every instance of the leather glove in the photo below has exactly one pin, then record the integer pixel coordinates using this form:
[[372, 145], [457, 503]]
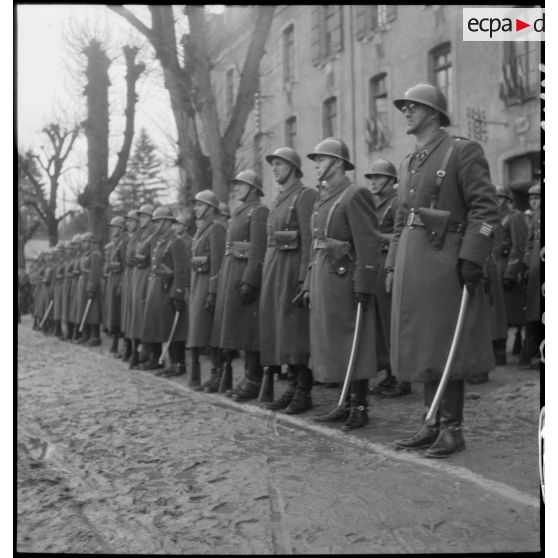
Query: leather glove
[[248, 293], [470, 274], [91, 294], [363, 298], [508, 283], [389, 281], [178, 304], [210, 301]]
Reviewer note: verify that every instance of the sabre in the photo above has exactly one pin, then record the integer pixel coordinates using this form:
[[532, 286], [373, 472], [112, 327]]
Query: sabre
[[430, 417], [89, 300], [47, 312], [352, 357], [167, 344]]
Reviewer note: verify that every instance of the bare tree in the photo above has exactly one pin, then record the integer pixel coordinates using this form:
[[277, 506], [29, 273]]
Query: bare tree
[[48, 166], [190, 91], [95, 196]]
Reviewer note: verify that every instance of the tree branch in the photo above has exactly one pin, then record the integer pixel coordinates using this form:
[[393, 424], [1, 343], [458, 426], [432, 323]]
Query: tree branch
[[134, 21]]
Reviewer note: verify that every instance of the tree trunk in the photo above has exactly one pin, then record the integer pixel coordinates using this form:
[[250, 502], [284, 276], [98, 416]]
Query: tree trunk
[[52, 227]]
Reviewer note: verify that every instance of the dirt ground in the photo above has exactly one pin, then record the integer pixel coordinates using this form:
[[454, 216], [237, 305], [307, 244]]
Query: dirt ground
[[118, 461]]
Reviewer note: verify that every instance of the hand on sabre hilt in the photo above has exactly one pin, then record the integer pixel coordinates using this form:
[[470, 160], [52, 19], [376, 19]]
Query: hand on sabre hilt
[[298, 297], [210, 301], [389, 281], [362, 298], [248, 293], [470, 274], [178, 304], [91, 294]]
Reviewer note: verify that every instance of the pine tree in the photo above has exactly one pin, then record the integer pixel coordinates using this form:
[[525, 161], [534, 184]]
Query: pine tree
[[142, 182]]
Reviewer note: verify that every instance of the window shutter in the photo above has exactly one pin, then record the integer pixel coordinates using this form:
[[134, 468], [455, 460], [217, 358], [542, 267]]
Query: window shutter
[[316, 34], [337, 31], [363, 16], [391, 12]]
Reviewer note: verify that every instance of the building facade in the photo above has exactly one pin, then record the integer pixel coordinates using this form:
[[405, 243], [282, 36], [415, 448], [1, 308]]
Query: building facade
[[335, 70]]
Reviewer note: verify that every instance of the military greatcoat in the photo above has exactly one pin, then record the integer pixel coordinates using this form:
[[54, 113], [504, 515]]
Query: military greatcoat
[[386, 208], [115, 270], [344, 213], [498, 318], [139, 282], [128, 252], [74, 315], [66, 289], [208, 249], [426, 286], [46, 290], [284, 328], [236, 325], [169, 266], [58, 279], [532, 259], [91, 266]]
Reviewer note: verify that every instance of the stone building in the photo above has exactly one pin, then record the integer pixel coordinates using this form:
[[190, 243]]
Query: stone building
[[335, 70]]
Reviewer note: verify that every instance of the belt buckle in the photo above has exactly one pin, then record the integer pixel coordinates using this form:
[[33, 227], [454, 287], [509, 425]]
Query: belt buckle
[[411, 219]]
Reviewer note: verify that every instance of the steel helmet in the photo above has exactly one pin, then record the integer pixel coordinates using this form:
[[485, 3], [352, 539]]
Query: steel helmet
[[333, 147], [208, 197], [117, 222], [503, 192], [89, 236], [535, 190], [287, 154], [147, 208], [250, 177], [132, 214], [382, 167], [182, 220], [108, 246], [429, 95], [163, 212], [76, 239], [224, 209]]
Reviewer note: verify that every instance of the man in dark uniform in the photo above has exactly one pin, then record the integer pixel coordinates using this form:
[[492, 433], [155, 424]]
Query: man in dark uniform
[[58, 280], [284, 329], [532, 261], [208, 249], [74, 310], [107, 255], [236, 322], [345, 260], [442, 238], [89, 289], [128, 249], [67, 319], [115, 271], [165, 295], [46, 291], [383, 177]]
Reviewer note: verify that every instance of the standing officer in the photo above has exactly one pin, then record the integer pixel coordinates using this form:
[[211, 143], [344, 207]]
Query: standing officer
[[74, 311], [512, 250], [284, 333], [71, 251], [236, 323], [115, 270], [107, 255], [442, 238], [139, 286], [165, 296], [89, 288], [343, 273], [532, 260], [383, 176], [208, 249], [58, 280]]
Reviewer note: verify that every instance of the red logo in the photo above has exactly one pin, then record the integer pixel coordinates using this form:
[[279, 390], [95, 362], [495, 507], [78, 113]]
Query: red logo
[[519, 24]]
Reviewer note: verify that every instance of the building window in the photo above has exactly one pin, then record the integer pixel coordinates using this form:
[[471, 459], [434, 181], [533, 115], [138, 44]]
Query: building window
[[288, 54], [440, 65], [369, 19], [229, 91], [330, 117], [290, 132], [377, 125], [520, 72], [327, 32]]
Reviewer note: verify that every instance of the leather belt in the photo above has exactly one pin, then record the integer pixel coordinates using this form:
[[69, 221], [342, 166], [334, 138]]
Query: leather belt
[[271, 242], [319, 244], [414, 220]]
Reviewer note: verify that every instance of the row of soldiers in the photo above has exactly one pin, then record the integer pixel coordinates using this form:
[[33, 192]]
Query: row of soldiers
[[371, 275]]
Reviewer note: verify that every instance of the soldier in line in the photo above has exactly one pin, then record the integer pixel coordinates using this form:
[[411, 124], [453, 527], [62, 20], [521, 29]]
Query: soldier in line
[[208, 249], [169, 264], [442, 238], [115, 271], [236, 322], [343, 274], [139, 290], [284, 333], [107, 254], [532, 261], [128, 249], [89, 289], [58, 280], [74, 310], [67, 319], [46, 291], [512, 250], [383, 177]]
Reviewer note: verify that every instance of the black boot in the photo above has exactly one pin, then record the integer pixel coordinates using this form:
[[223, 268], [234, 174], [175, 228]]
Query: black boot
[[250, 386], [358, 406], [283, 401], [127, 350], [516, 350], [247, 390], [212, 385], [388, 382], [134, 357], [152, 362], [335, 415], [397, 390], [95, 340], [426, 434], [480, 378], [85, 335], [58, 330], [226, 379], [70, 332], [499, 348], [114, 345], [266, 390], [450, 438], [144, 354], [195, 377], [302, 400]]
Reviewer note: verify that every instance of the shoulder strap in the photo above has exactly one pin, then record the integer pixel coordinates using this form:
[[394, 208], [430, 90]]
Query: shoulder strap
[[440, 174], [332, 209], [291, 207]]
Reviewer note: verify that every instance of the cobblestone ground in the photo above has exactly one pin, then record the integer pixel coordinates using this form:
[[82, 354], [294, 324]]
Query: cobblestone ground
[[119, 461]]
